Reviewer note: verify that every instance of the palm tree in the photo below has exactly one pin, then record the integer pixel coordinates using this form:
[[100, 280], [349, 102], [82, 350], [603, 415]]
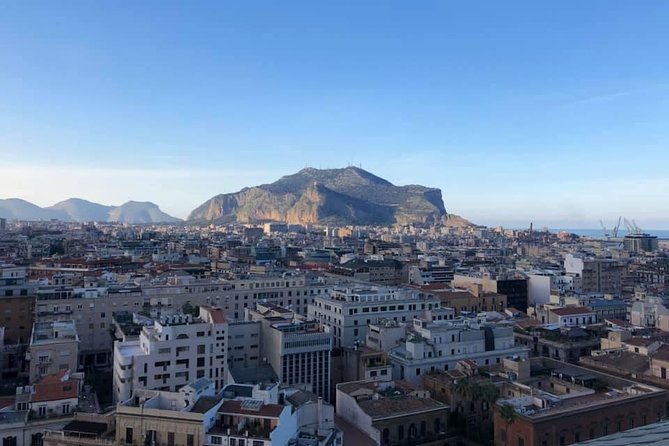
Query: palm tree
[[508, 414]]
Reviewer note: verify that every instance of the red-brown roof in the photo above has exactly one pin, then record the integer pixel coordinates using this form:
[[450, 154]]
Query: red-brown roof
[[55, 387], [640, 342], [662, 354], [6, 401], [571, 311], [234, 407]]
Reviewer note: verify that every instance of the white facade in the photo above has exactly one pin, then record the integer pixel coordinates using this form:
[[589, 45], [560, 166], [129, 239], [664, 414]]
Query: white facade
[[172, 353], [348, 310], [441, 345]]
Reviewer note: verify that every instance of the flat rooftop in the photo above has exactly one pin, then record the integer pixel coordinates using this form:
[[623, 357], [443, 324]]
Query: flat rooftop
[[53, 332]]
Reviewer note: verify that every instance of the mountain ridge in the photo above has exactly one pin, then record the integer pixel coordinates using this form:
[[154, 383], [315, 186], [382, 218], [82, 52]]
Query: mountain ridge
[[347, 195], [78, 209]]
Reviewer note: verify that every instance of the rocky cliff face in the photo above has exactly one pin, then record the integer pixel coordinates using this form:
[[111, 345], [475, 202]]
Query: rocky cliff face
[[326, 196]]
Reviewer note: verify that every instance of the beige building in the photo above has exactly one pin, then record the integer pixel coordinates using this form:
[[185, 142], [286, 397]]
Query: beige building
[[168, 418], [54, 347]]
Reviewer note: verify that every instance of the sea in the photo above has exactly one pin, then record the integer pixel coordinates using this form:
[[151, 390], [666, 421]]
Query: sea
[[659, 233]]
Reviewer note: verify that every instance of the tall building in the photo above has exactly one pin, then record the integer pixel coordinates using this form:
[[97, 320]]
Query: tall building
[[348, 310], [640, 243], [297, 349], [173, 352]]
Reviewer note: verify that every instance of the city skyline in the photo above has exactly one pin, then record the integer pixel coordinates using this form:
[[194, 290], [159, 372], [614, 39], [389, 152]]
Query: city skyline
[[518, 112]]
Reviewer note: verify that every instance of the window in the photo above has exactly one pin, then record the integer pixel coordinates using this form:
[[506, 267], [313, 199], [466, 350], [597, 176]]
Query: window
[[170, 439], [216, 440], [9, 441], [37, 439], [42, 411], [128, 435], [190, 440]]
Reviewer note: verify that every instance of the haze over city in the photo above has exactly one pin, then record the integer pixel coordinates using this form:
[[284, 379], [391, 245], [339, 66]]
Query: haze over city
[[518, 111]]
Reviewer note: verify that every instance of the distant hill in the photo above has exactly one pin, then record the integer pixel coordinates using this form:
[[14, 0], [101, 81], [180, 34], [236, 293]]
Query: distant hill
[[83, 210], [17, 209], [140, 212], [76, 209], [327, 196]]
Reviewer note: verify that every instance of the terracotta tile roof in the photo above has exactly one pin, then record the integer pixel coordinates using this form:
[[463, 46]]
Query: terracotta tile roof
[[55, 387], [571, 311]]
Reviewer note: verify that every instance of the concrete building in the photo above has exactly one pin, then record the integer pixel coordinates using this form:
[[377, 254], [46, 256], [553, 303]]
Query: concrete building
[[639, 243], [91, 308], [16, 303], [595, 275], [440, 345], [392, 413], [297, 349], [513, 287], [386, 272], [173, 352], [473, 300], [54, 347], [348, 310]]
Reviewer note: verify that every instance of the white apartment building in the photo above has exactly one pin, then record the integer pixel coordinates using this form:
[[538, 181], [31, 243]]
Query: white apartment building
[[176, 350], [348, 310], [439, 345]]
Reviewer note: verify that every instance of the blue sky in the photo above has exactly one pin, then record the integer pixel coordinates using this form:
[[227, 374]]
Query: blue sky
[[552, 112]]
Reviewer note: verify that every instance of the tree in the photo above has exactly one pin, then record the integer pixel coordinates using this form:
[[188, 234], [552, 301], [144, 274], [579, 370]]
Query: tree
[[508, 414]]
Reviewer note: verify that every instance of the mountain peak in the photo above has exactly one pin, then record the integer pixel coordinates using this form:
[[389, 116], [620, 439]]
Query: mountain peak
[[349, 195]]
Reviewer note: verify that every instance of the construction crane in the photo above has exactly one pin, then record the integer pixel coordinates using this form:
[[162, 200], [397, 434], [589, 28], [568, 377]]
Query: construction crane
[[632, 227], [616, 228], [606, 232]]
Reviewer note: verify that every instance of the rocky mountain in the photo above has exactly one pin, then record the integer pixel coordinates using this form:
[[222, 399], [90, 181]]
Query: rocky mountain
[[76, 209], [326, 196]]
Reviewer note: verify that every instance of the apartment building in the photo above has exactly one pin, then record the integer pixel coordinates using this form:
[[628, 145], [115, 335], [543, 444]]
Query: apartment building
[[297, 349], [595, 275], [91, 308], [440, 345], [349, 309], [16, 304], [54, 348], [173, 352]]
